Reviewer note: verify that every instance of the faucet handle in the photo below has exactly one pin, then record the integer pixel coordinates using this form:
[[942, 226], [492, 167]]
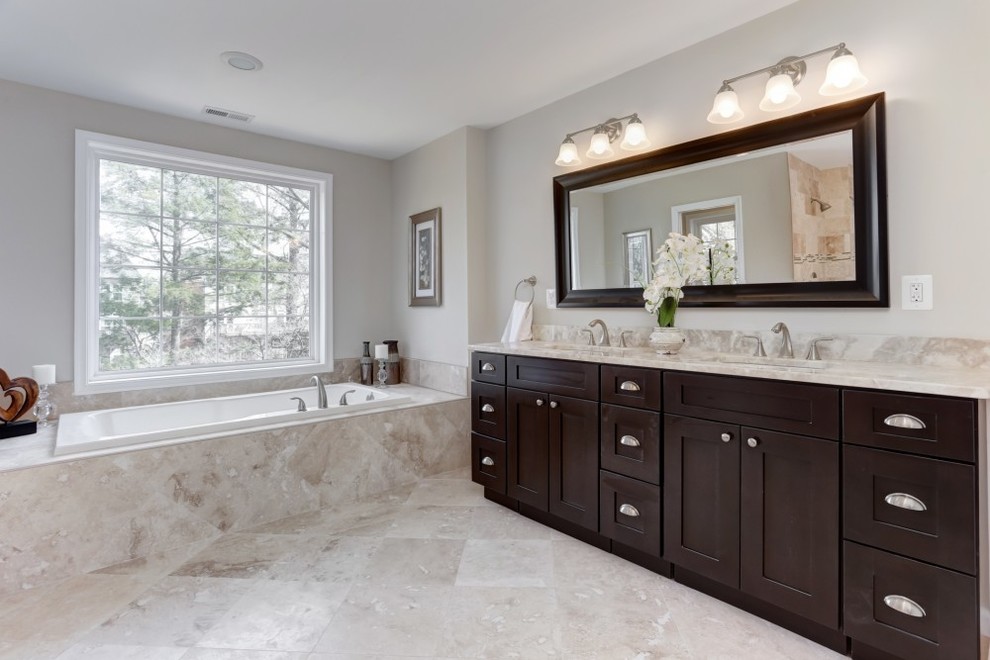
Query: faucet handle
[[622, 338], [591, 336], [813, 348], [760, 351]]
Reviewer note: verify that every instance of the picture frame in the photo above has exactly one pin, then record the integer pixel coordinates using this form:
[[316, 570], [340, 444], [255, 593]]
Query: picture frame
[[425, 256], [638, 257]]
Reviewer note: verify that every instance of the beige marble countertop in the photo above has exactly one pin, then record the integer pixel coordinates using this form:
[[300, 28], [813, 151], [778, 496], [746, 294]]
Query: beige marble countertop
[[921, 379], [36, 449]]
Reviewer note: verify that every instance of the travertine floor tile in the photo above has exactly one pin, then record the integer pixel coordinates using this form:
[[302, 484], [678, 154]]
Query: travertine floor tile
[[431, 570], [388, 620], [278, 616], [506, 564], [175, 612]]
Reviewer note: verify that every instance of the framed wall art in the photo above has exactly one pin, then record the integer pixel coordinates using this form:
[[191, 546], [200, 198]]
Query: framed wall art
[[425, 277]]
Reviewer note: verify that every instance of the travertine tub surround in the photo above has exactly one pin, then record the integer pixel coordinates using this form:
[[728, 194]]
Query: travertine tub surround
[[64, 519]]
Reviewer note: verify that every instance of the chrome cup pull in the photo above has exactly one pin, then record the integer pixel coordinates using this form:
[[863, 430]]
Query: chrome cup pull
[[726, 437], [629, 441], [488, 408], [904, 421], [905, 501], [629, 510], [487, 460], [488, 366], [629, 386], [904, 605]]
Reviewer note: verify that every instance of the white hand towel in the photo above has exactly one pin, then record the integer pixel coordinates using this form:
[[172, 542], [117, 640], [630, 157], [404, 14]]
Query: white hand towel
[[520, 325]]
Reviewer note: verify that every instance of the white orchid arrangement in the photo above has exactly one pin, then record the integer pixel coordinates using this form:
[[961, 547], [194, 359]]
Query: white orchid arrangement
[[682, 260]]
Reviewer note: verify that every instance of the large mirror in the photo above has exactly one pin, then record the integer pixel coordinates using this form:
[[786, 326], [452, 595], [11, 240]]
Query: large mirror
[[796, 205]]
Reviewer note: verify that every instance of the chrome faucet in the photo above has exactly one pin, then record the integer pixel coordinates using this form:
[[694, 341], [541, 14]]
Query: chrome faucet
[[786, 349], [321, 392], [604, 338], [343, 397]]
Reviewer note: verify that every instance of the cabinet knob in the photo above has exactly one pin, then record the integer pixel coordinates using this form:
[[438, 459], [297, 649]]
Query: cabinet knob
[[488, 408], [488, 366], [726, 437], [539, 402], [487, 460], [629, 441], [904, 421], [752, 442], [629, 510], [554, 404], [904, 605], [629, 386], [905, 501]]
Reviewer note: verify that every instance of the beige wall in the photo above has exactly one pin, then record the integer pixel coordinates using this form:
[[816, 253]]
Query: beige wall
[[37, 138], [449, 173], [936, 146]]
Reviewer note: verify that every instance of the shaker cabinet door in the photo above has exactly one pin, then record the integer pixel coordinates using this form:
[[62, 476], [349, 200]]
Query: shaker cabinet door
[[527, 447]]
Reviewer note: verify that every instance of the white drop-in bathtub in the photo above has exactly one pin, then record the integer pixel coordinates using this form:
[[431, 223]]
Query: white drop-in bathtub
[[183, 421]]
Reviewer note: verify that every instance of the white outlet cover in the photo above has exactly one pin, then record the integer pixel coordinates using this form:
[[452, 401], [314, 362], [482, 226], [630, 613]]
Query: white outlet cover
[[551, 298], [927, 301]]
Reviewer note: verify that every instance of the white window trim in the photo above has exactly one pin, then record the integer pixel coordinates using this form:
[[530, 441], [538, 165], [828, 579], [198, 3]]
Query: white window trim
[[90, 148], [677, 224]]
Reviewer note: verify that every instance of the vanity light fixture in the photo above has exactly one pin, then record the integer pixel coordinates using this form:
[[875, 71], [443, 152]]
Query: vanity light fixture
[[841, 77], [633, 139]]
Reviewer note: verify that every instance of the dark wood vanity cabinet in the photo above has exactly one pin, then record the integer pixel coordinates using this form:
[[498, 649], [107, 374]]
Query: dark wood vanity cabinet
[[910, 526], [552, 437], [753, 508], [850, 516]]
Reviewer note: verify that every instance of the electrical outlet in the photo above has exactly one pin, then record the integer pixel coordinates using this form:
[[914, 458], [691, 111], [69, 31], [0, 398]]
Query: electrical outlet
[[551, 298], [917, 292]]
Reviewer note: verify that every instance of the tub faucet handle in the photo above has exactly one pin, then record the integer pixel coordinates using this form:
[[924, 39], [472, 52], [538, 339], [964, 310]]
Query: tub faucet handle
[[302, 404], [343, 397]]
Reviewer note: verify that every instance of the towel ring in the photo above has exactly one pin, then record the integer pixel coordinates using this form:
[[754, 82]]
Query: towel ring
[[531, 280]]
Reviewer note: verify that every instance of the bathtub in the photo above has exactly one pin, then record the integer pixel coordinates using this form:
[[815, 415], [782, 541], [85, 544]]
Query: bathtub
[[166, 423]]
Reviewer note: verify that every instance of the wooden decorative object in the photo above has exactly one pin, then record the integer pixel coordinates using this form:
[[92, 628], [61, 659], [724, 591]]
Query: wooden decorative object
[[17, 397]]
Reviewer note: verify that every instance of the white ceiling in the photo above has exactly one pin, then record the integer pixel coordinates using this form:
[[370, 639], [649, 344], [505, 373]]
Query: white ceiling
[[377, 77]]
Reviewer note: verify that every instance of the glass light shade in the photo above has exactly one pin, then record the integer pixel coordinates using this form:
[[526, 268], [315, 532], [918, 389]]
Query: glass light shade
[[634, 137], [600, 146], [568, 154], [726, 108], [843, 75], [780, 94]]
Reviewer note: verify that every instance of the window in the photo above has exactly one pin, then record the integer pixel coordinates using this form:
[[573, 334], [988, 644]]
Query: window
[[718, 223], [193, 267]]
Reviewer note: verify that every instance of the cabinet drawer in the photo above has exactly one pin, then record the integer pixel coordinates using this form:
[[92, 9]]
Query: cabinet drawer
[[919, 507], [488, 462], [630, 512], [910, 609], [630, 442], [775, 405], [631, 386], [488, 409], [929, 425], [575, 379], [488, 367]]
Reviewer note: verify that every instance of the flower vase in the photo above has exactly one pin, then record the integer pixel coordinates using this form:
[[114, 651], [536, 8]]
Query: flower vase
[[667, 341]]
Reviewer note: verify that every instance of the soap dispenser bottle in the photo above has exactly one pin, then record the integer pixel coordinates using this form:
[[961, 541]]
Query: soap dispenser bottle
[[367, 365]]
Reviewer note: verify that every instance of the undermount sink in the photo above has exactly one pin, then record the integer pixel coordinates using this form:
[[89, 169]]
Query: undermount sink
[[772, 362], [588, 349]]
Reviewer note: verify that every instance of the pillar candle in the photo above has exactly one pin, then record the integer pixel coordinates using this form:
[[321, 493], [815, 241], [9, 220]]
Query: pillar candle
[[381, 352], [44, 374]]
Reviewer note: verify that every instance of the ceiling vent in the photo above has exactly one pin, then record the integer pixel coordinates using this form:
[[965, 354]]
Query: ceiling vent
[[220, 113]]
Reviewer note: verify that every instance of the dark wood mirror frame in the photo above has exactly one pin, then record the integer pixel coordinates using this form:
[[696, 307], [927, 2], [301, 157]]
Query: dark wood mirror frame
[[864, 117]]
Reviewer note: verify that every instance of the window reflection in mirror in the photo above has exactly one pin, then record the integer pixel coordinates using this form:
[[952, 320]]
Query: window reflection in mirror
[[786, 211]]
